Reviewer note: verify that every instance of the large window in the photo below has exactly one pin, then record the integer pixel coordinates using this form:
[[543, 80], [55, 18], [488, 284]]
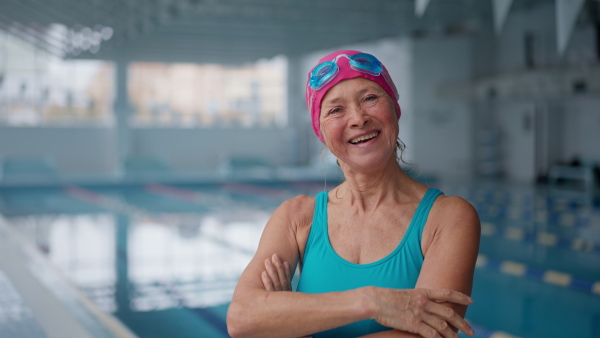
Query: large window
[[191, 95], [41, 89]]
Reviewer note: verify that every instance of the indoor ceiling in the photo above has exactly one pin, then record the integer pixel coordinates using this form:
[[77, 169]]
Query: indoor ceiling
[[228, 31]]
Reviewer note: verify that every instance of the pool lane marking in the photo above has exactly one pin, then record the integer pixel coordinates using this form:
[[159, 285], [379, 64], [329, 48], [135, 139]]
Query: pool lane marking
[[192, 196], [493, 196], [581, 219], [514, 233], [270, 193], [557, 278], [83, 194], [187, 195], [543, 238], [109, 203], [513, 268], [175, 192], [257, 190], [549, 276], [547, 239]]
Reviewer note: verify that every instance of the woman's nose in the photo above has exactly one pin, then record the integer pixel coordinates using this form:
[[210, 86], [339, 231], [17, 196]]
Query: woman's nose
[[358, 118]]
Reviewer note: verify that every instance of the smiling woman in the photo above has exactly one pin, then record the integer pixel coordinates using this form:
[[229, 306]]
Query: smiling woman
[[358, 118], [382, 254]]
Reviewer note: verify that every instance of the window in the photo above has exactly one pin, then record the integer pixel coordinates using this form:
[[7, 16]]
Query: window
[[193, 95], [38, 88], [41, 89]]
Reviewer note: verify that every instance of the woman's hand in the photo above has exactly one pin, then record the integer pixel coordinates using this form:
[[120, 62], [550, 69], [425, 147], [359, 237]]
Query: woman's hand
[[277, 276], [419, 311]]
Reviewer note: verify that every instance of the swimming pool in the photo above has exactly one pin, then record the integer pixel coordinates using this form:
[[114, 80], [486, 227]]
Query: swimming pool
[[164, 258]]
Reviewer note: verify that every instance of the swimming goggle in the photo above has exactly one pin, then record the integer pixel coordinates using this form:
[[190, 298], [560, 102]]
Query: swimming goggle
[[361, 62]]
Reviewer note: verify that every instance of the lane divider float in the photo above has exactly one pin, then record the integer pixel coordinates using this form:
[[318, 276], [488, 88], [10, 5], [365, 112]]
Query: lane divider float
[[551, 277]]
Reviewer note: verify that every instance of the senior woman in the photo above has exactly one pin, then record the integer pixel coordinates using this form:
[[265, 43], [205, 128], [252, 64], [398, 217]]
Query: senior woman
[[381, 255]]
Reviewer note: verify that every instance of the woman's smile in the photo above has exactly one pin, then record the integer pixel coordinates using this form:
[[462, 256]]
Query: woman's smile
[[365, 138]]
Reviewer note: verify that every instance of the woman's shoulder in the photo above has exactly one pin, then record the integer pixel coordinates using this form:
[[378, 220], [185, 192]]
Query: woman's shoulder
[[455, 210], [454, 203], [298, 210], [451, 220]]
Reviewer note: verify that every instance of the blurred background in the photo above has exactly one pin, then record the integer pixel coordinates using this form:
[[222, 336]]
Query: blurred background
[[145, 143]]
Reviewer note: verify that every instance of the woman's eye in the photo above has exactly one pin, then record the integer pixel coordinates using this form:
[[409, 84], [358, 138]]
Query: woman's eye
[[335, 110], [370, 98]]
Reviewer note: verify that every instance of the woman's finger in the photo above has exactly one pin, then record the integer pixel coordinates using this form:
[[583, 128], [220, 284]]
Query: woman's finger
[[450, 316], [426, 331], [272, 274], [279, 267], [441, 326], [287, 274], [268, 284], [447, 295]]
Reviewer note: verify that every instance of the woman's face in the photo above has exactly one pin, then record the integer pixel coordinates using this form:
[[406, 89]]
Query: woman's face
[[359, 124]]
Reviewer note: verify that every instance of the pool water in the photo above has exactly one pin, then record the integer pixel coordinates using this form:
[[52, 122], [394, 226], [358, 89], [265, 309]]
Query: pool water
[[165, 258]]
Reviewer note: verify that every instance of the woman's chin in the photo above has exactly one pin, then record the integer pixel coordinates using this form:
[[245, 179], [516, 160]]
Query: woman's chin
[[368, 163]]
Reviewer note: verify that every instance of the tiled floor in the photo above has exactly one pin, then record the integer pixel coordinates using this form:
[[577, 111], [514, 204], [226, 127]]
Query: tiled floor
[[16, 318]]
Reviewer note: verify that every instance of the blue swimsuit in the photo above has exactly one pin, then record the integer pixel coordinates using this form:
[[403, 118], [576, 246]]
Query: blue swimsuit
[[325, 271]]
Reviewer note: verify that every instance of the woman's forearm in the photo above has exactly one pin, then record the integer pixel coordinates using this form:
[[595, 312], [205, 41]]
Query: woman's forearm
[[259, 313], [392, 334]]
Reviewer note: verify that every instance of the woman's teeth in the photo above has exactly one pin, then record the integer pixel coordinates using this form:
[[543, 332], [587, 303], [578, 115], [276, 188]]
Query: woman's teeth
[[364, 137]]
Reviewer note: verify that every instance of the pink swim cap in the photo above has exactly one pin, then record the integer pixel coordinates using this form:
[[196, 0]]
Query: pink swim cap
[[314, 97]]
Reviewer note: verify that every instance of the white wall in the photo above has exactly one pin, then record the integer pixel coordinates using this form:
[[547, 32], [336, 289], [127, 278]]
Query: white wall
[[442, 127], [515, 120], [93, 150], [582, 129], [74, 150], [203, 149]]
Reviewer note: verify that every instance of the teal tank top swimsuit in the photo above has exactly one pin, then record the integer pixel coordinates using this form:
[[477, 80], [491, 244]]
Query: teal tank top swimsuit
[[325, 271]]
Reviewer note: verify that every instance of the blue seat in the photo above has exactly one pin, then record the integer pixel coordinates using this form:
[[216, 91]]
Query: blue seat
[[146, 167], [584, 174], [246, 167], [28, 169]]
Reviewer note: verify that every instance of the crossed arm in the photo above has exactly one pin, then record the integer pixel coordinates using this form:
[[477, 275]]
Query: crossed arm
[[431, 310]]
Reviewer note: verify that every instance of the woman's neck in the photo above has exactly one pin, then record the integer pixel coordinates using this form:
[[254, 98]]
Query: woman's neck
[[367, 190]]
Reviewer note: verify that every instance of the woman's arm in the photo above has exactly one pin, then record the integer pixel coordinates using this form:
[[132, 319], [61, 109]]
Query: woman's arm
[[275, 278], [255, 311], [450, 248]]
